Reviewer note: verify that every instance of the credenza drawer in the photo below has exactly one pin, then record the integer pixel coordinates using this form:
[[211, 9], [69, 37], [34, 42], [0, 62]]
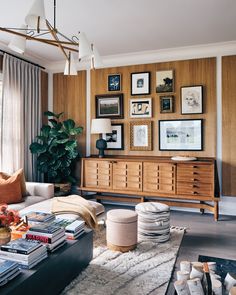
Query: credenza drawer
[[188, 177], [196, 188]]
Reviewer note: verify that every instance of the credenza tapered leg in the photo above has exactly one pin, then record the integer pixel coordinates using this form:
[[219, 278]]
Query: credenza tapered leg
[[216, 210]]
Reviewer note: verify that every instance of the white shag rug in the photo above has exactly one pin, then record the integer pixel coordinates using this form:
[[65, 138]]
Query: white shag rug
[[144, 271]]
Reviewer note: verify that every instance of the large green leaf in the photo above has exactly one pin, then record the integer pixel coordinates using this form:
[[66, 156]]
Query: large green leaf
[[51, 114], [53, 122], [42, 138], [69, 125], [71, 145], [61, 141], [45, 130], [43, 158], [37, 148]]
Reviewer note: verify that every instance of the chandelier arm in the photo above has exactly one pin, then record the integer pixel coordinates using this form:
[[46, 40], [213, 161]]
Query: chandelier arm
[[54, 35], [49, 42], [68, 39]]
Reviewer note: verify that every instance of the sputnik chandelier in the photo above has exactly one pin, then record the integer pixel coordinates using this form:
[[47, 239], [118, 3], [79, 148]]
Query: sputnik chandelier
[[38, 28]]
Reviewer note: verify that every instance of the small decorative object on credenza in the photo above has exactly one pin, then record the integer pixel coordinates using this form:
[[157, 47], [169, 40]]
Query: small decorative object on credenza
[[183, 158], [100, 126]]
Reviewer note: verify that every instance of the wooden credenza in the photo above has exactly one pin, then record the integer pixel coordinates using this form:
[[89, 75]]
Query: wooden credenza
[[137, 179]]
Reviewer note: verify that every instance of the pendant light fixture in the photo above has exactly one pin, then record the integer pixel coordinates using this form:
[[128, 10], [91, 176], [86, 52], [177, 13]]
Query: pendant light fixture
[[39, 29]]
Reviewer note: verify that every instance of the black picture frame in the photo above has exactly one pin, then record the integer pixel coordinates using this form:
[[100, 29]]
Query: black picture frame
[[121, 147], [195, 97], [116, 102], [174, 132], [144, 80], [166, 104], [114, 82]]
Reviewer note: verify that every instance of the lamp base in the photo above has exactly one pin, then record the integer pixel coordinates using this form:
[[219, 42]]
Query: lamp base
[[101, 145]]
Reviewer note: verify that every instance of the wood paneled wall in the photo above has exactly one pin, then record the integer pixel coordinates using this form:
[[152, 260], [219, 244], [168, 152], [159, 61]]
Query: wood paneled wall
[[69, 96], [44, 95], [229, 125], [186, 73]]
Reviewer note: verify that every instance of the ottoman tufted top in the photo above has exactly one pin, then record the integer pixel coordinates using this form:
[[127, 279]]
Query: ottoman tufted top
[[122, 215], [152, 207]]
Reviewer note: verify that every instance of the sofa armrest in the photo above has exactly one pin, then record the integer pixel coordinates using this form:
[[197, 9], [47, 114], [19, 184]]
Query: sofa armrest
[[45, 190]]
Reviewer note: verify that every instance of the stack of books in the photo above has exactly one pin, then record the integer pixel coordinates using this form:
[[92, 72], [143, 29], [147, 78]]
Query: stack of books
[[8, 271], [39, 217], [52, 236], [73, 228], [26, 253]]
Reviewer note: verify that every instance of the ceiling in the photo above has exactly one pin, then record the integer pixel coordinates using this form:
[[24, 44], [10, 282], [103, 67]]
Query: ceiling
[[127, 26]]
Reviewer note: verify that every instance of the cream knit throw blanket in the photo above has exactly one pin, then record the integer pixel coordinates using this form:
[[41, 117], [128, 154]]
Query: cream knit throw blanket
[[75, 204]]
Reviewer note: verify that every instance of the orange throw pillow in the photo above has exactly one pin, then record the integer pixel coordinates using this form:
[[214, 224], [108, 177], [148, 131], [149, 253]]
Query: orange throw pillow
[[22, 179], [10, 189]]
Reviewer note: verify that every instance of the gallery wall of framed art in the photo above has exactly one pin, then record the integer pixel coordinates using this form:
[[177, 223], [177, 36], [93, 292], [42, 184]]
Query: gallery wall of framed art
[[174, 90]]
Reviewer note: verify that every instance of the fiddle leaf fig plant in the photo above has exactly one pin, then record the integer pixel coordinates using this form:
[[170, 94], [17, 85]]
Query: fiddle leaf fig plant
[[56, 148]]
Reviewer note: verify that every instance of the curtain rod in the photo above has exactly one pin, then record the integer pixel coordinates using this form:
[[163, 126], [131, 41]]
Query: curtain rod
[[25, 60]]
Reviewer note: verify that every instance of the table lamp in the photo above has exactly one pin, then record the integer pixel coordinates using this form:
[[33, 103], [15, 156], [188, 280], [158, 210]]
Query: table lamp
[[100, 126]]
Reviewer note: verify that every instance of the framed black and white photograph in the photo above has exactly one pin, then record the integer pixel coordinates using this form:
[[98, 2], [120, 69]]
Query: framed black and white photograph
[[141, 136], [140, 83], [140, 108], [181, 135], [109, 106], [114, 82], [115, 140], [164, 81], [191, 99], [167, 104]]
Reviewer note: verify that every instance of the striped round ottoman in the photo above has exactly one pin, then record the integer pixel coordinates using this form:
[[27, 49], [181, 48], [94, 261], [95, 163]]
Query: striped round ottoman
[[121, 231], [153, 221]]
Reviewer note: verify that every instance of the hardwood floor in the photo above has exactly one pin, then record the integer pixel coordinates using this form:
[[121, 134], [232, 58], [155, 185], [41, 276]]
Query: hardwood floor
[[204, 236]]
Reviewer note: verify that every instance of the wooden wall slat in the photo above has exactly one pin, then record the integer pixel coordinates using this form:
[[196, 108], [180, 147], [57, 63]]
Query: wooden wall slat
[[69, 96], [44, 95], [229, 125], [187, 72]]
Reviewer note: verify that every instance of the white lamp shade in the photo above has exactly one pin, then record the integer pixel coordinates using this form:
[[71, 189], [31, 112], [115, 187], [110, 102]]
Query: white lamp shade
[[70, 68], [101, 126], [97, 60], [84, 46], [18, 43], [37, 10]]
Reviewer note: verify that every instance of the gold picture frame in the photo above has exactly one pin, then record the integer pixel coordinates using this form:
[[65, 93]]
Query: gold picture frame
[[140, 135]]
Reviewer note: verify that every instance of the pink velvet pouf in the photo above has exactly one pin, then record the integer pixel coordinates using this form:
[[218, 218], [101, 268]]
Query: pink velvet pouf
[[121, 234]]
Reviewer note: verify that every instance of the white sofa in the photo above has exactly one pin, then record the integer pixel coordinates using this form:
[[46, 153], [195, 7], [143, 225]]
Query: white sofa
[[36, 192]]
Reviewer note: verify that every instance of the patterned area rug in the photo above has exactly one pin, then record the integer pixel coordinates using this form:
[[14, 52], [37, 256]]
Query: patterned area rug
[[146, 270]]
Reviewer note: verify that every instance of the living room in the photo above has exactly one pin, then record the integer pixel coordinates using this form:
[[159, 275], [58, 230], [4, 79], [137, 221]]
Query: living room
[[140, 98]]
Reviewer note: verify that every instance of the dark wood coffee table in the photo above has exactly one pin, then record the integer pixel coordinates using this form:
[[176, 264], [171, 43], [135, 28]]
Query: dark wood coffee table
[[53, 274]]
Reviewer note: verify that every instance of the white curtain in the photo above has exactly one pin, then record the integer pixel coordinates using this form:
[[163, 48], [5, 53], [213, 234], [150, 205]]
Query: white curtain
[[20, 118]]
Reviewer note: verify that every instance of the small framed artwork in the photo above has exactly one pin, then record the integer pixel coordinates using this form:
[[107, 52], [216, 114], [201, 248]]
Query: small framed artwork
[[115, 140], [114, 82], [191, 99], [140, 108], [109, 106], [181, 135], [140, 83], [164, 81], [167, 104], [141, 136]]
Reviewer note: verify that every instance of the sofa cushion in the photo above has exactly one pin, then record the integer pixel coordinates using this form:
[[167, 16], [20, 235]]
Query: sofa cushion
[[22, 179], [10, 189], [27, 201]]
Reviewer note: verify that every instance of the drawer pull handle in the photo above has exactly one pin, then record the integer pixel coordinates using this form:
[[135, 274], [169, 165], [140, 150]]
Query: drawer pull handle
[[195, 193]]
